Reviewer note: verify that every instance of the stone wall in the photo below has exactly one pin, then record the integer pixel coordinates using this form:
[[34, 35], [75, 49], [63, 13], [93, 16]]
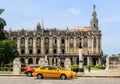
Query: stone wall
[[113, 66]]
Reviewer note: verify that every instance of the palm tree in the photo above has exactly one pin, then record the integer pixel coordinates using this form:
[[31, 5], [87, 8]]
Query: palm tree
[[2, 21], [2, 24]]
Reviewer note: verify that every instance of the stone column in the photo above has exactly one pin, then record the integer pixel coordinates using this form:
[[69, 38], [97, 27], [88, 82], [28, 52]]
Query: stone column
[[88, 61], [58, 61], [42, 45], [16, 66], [46, 60], [34, 45], [59, 44], [54, 61], [100, 51], [92, 45], [75, 45], [26, 61], [75, 58], [97, 45], [26, 45], [18, 45], [66, 45], [68, 48], [50, 45], [99, 61], [50, 60]]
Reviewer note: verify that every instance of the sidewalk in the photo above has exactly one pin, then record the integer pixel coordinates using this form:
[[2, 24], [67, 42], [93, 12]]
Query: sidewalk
[[96, 73], [92, 73]]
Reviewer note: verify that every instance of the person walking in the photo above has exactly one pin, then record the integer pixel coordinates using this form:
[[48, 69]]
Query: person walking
[[89, 68]]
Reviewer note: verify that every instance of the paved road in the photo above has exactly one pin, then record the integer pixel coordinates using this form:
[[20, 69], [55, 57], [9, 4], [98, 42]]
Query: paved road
[[78, 80]]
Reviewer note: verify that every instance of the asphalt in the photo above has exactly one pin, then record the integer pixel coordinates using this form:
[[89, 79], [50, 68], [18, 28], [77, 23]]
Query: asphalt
[[92, 73]]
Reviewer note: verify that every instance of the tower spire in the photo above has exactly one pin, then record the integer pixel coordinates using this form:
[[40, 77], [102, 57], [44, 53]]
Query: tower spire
[[94, 20], [94, 7], [38, 27]]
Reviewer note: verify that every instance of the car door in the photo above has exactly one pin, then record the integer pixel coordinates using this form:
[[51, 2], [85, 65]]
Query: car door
[[44, 71], [53, 72]]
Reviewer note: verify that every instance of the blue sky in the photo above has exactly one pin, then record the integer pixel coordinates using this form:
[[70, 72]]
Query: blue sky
[[66, 13]]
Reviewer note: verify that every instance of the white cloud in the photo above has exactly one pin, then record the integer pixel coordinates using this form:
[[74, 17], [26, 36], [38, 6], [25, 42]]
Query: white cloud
[[74, 11]]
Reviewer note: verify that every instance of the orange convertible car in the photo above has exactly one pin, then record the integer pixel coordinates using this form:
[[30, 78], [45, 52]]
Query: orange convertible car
[[51, 72]]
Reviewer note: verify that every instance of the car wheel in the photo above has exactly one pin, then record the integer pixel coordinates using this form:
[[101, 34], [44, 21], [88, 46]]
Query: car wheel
[[39, 76], [63, 77], [29, 74]]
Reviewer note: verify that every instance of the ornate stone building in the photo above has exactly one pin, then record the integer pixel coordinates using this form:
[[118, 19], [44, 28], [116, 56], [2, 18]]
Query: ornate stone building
[[59, 44]]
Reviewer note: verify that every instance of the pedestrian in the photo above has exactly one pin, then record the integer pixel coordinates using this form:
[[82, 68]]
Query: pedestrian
[[89, 68]]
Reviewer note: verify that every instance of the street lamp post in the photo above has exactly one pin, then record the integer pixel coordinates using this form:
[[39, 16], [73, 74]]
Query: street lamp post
[[80, 58], [88, 60]]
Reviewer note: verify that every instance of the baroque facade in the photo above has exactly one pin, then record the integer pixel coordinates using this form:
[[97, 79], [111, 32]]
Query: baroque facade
[[60, 44]]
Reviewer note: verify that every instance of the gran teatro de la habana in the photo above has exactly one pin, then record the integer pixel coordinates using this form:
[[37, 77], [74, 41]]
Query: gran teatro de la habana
[[33, 45]]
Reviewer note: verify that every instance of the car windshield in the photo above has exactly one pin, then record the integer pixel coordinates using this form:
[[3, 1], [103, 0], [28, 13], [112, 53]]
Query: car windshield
[[61, 68]]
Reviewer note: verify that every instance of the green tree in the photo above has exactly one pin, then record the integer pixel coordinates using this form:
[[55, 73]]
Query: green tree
[[7, 51], [104, 59], [2, 24]]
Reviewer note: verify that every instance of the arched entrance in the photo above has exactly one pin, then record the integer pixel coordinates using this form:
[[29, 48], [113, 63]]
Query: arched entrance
[[77, 61], [85, 61], [22, 61], [37, 60], [95, 61], [30, 61]]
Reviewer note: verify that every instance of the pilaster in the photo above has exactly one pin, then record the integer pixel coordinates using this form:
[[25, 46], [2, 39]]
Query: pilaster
[[26, 45], [50, 45], [34, 45]]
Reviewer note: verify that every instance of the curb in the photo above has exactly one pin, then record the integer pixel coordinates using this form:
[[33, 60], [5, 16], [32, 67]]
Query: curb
[[92, 76], [12, 74], [101, 76]]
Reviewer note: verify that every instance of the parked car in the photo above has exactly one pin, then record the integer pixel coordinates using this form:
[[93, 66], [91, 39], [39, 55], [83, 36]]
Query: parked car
[[74, 74], [28, 70], [51, 72]]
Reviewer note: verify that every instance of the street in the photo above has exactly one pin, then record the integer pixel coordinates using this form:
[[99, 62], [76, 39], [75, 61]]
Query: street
[[78, 80]]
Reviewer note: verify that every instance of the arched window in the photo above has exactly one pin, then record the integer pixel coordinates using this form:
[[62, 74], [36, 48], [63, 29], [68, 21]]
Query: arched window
[[54, 41], [22, 61], [94, 41], [62, 40], [38, 42], [54, 51], [77, 61], [78, 41], [46, 40], [85, 41], [22, 51], [71, 40], [15, 39], [30, 41], [38, 51], [22, 41], [47, 51], [30, 51], [63, 51], [37, 60], [30, 61]]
